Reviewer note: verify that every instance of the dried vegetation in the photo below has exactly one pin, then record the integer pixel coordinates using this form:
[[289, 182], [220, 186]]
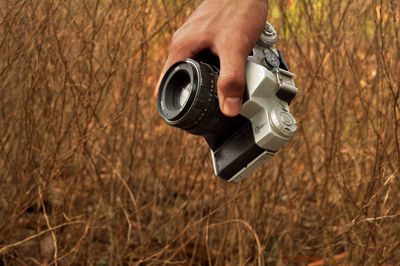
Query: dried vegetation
[[89, 174]]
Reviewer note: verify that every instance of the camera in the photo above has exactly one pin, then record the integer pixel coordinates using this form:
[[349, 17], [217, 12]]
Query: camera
[[187, 99]]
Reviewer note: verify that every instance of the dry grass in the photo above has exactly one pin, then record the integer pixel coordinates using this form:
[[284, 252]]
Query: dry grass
[[89, 174]]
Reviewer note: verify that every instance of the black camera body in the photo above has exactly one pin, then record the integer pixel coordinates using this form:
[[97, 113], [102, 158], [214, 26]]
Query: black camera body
[[187, 99]]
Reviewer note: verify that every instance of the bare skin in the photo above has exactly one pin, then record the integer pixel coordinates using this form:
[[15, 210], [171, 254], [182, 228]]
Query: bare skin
[[229, 28]]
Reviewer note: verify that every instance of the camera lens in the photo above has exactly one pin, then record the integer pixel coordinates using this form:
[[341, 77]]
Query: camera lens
[[187, 97]]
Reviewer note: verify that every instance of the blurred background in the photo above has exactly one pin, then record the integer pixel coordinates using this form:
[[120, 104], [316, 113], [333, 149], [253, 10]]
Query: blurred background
[[90, 175]]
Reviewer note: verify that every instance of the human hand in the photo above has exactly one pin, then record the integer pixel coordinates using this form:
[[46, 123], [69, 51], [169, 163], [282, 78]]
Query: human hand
[[229, 28]]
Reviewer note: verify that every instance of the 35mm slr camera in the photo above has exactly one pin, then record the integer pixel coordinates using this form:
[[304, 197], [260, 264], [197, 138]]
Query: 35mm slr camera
[[187, 99]]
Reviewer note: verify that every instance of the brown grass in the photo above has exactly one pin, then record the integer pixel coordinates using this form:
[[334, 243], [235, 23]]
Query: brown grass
[[90, 175]]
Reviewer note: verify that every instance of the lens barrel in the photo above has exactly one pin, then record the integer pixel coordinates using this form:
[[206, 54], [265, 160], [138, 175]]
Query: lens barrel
[[187, 97]]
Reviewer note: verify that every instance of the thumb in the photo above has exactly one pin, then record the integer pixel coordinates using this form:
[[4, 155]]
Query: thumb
[[231, 82]]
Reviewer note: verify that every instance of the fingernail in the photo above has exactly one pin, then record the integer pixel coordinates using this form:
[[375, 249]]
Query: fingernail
[[232, 106]]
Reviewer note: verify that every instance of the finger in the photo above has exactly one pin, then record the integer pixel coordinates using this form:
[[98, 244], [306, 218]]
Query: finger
[[231, 81]]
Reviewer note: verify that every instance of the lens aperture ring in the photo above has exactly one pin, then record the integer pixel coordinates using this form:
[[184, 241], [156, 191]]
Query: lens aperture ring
[[205, 101]]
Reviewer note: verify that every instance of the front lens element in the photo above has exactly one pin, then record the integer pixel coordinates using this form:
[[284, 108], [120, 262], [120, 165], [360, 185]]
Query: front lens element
[[179, 82], [184, 95], [177, 91]]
